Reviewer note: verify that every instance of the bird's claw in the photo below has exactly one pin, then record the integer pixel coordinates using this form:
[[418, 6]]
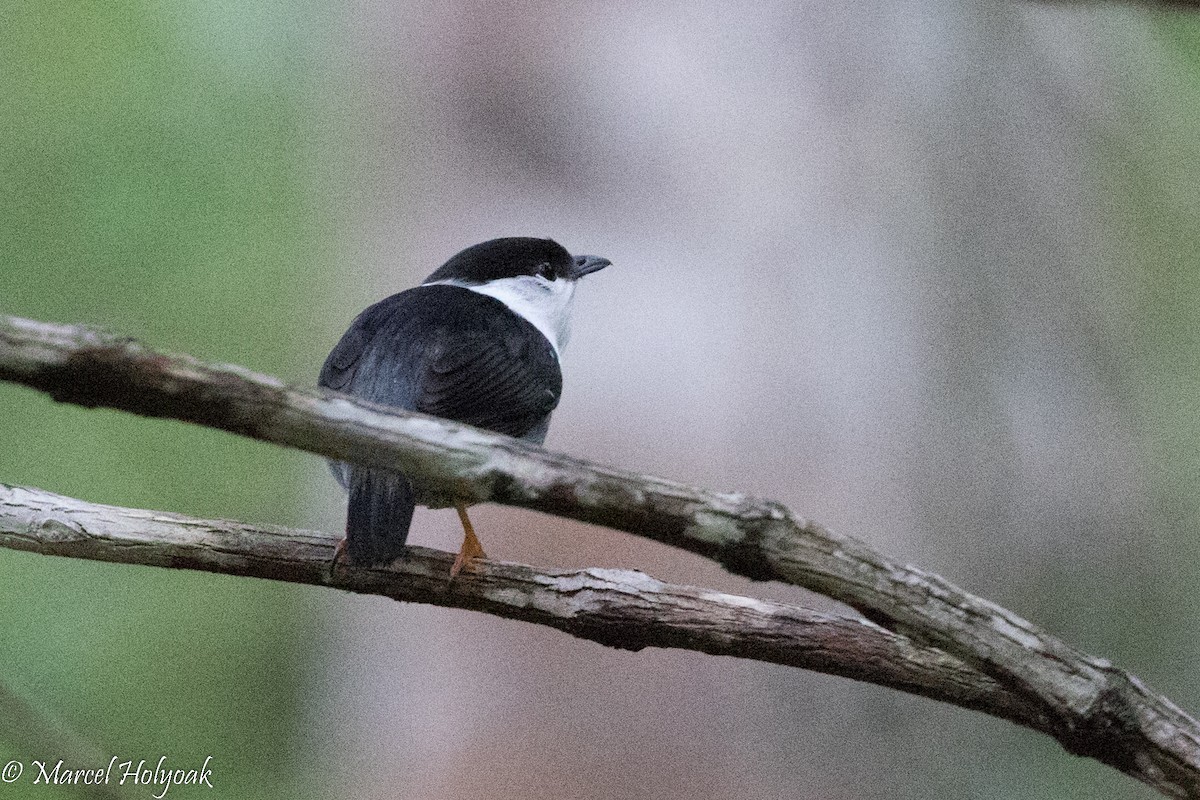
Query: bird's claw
[[471, 548]]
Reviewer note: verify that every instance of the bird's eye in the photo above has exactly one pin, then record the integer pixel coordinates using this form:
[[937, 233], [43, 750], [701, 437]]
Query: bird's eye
[[547, 271]]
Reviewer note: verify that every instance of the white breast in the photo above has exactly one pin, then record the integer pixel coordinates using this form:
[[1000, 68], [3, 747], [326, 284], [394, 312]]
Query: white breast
[[544, 304]]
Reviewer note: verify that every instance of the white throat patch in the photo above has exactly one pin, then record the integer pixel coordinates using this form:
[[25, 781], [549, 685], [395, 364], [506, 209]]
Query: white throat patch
[[546, 305]]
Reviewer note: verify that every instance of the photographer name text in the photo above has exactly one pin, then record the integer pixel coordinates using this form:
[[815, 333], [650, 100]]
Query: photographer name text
[[158, 777]]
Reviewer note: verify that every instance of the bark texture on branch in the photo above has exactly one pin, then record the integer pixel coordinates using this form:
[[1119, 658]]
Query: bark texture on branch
[[619, 608], [1087, 704]]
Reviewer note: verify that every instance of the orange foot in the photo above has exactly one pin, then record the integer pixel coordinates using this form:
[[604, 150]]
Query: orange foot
[[471, 548]]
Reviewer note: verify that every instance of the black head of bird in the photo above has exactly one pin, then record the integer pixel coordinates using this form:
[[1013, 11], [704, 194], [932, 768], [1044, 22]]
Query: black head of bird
[[478, 342]]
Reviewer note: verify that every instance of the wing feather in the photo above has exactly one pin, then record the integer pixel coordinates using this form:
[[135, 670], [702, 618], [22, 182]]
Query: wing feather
[[445, 351]]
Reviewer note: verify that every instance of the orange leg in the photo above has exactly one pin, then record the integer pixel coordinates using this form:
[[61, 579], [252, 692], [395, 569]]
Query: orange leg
[[471, 548]]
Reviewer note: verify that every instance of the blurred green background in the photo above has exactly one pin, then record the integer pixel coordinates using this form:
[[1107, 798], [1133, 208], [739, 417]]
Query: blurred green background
[[160, 168], [185, 173]]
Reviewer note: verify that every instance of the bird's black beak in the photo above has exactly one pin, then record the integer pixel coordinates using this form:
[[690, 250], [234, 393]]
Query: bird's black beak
[[586, 265]]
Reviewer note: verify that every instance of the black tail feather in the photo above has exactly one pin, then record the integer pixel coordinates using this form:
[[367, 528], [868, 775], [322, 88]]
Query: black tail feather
[[377, 517]]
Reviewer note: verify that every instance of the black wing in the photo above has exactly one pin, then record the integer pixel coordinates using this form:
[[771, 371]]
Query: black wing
[[440, 350], [453, 353]]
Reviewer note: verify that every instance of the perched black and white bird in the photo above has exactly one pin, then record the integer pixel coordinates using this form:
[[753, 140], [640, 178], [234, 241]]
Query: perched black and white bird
[[478, 342]]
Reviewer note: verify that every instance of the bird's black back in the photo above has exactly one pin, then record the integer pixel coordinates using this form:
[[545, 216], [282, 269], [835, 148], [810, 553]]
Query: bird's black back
[[440, 350], [452, 353]]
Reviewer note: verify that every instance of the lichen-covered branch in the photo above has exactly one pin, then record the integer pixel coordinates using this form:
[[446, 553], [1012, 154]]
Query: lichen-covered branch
[[1091, 707], [619, 608]]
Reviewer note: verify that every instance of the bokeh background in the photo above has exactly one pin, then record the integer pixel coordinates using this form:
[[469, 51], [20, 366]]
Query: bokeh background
[[926, 272]]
